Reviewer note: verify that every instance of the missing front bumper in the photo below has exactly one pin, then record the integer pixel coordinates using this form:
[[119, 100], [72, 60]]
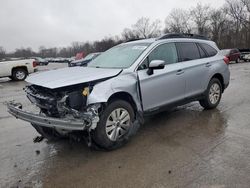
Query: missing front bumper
[[16, 110]]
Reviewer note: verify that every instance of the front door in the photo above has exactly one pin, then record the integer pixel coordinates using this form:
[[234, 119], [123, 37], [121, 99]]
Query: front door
[[164, 86]]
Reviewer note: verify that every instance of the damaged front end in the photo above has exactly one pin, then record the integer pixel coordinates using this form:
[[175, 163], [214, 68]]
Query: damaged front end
[[62, 109], [74, 110]]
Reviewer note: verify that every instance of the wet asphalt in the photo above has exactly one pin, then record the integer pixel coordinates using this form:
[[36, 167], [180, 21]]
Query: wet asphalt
[[185, 147]]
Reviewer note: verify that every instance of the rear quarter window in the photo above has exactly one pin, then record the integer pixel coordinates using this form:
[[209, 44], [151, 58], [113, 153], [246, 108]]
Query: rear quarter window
[[202, 52], [209, 49]]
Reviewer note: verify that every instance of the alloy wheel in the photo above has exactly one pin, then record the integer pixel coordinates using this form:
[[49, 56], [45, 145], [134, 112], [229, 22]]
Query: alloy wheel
[[214, 93], [117, 124], [20, 75]]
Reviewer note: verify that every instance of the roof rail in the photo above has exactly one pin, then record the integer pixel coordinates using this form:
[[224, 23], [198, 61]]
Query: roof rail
[[135, 39], [182, 35]]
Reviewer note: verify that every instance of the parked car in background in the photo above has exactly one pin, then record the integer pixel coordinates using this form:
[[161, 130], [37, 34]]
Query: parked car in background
[[232, 54], [70, 59], [59, 60], [49, 59], [79, 55], [84, 61], [17, 69], [109, 98], [245, 55], [41, 61]]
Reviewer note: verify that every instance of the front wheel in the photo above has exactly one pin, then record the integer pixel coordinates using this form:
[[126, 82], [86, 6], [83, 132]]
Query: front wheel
[[115, 125], [212, 94], [237, 60]]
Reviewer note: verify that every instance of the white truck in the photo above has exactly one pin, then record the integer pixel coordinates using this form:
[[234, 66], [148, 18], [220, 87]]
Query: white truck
[[246, 57], [17, 69]]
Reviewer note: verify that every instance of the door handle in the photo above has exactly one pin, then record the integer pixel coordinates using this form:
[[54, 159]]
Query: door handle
[[179, 72], [208, 65]]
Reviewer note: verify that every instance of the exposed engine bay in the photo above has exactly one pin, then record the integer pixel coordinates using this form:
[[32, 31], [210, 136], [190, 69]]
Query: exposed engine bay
[[67, 102], [59, 102]]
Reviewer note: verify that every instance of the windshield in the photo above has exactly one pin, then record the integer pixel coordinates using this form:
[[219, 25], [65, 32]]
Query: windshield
[[121, 56]]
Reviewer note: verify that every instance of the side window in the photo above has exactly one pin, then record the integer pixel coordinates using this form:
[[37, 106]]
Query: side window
[[166, 52], [188, 51], [209, 49]]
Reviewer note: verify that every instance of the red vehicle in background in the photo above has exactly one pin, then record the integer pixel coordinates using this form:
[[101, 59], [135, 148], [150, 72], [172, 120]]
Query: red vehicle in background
[[232, 54], [80, 55]]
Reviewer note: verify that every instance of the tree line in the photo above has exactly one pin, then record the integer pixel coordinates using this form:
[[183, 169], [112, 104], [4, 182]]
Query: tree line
[[228, 26]]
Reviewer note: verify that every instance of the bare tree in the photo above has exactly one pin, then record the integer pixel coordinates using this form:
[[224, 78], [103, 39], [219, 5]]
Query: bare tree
[[2, 53], [228, 26], [236, 11], [42, 51], [129, 34], [178, 22], [105, 44], [219, 25], [51, 52], [24, 52], [200, 16], [247, 4], [144, 28], [76, 47]]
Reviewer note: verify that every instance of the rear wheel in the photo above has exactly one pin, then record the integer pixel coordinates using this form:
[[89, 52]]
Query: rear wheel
[[19, 74], [212, 94], [115, 125]]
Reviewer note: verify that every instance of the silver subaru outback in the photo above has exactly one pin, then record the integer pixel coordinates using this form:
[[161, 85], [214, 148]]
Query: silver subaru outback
[[109, 98]]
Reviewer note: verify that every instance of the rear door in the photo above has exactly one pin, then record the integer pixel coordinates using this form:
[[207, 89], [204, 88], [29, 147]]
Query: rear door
[[195, 64], [166, 85]]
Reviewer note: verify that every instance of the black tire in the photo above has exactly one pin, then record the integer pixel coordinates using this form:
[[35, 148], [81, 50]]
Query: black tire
[[206, 103], [100, 136], [237, 60], [19, 74], [46, 132]]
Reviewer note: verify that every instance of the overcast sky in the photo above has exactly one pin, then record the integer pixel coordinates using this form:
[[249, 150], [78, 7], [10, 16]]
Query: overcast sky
[[57, 23]]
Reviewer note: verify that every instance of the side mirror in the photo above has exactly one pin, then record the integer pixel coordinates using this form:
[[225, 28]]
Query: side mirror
[[155, 64]]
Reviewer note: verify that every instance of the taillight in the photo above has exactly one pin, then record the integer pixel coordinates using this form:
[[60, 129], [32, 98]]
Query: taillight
[[34, 64], [226, 60]]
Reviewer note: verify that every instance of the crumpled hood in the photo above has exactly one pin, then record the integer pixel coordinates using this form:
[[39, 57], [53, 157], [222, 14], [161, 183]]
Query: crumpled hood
[[70, 76]]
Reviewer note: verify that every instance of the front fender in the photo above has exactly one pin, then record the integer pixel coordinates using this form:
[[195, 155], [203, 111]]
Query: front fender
[[126, 82]]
